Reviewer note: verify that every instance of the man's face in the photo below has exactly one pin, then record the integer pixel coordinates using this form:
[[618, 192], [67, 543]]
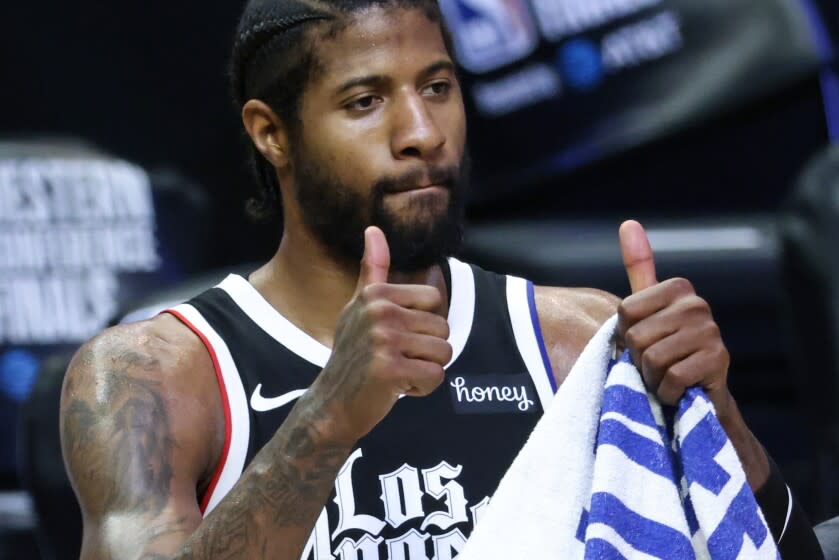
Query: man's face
[[383, 140]]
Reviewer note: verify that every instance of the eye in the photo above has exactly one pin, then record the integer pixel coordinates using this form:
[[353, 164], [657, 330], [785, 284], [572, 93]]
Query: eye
[[363, 103], [438, 88]]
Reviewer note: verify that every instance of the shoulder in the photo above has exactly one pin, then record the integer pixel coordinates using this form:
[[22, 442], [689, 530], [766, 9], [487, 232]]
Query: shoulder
[[580, 306], [569, 317], [161, 349]]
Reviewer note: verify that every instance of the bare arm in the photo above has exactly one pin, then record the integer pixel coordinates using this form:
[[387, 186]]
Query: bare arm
[[123, 453], [137, 435], [271, 511], [569, 317], [140, 422]]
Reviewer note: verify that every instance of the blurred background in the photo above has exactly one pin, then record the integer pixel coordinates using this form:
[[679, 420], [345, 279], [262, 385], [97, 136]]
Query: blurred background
[[123, 178]]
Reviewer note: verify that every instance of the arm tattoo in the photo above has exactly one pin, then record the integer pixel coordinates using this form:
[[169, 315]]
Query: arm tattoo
[[132, 418], [121, 427], [141, 446], [285, 487]]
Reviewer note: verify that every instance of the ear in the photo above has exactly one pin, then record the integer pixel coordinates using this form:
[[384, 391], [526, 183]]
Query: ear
[[266, 131]]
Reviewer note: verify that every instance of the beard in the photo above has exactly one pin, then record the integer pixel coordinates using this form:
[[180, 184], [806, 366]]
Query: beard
[[337, 214]]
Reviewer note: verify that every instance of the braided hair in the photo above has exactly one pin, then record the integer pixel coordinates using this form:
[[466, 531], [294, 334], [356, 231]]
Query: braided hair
[[274, 58]]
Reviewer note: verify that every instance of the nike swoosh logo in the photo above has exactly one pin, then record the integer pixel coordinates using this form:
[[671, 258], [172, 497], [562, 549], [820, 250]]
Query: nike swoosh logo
[[261, 404]]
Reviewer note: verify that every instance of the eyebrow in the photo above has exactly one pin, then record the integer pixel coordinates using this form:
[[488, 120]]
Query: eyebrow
[[367, 81], [378, 80], [438, 66]]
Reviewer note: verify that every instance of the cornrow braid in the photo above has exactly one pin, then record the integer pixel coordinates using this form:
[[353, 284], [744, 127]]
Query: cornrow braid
[[273, 60], [258, 38], [267, 28]]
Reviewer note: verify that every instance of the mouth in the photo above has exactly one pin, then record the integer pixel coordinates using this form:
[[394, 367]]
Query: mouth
[[430, 186], [433, 180], [420, 190], [425, 187]]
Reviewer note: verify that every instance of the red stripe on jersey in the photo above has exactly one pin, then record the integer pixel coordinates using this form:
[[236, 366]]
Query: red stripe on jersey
[[205, 500]]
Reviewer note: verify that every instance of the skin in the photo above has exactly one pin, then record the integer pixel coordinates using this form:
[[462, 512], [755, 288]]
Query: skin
[[141, 422]]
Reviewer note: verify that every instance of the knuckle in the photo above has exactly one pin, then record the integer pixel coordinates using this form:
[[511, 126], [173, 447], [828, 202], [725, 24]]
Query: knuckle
[[427, 378], [382, 337], [673, 376], [382, 356], [622, 308], [444, 329], [711, 330], [380, 310], [651, 360], [370, 292], [626, 311], [436, 374], [698, 305], [672, 387], [447, 353], [654, 358], [435, 298], [681, 285], [377, 291], [632, 339], [382, 361], [721, 355]]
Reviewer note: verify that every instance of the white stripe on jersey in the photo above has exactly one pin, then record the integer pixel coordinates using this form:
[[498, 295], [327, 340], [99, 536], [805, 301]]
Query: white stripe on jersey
[[240, 426], [526, 340], [251, 302]]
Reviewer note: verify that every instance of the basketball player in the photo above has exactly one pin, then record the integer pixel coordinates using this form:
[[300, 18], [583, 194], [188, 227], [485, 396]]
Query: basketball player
[[266, 418]]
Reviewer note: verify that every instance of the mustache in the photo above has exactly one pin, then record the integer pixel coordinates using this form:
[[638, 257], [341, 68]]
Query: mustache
[[445, 176]]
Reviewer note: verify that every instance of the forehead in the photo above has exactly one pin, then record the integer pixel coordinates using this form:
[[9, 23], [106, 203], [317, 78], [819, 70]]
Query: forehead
[[381, 41]]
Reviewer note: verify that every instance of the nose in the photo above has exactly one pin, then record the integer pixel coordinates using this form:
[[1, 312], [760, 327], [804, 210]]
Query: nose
[[415, 132]]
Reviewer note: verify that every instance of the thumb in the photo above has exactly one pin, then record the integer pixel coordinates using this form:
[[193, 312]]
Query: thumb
[[637, 256], [375, 262]]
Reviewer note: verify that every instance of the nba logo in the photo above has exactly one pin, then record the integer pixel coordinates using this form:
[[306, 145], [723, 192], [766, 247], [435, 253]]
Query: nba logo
[[490, 33]]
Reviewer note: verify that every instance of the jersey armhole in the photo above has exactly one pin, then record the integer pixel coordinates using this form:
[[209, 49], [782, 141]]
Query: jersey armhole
[[528, 335], [540, 340], [234, 404]]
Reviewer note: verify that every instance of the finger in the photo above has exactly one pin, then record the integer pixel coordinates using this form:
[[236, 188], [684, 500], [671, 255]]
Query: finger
[[422, 377], [643, 333], [410, 296], [638, 307], [637, 256], [425, 347], [656, 360], [686, 373], [375, 263], [425, 322]]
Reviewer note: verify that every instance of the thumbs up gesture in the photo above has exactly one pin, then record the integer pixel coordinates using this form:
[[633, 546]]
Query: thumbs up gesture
[[389, 342], [669, 330]]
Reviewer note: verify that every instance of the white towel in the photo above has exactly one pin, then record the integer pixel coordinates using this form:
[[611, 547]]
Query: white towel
[[600, 477]]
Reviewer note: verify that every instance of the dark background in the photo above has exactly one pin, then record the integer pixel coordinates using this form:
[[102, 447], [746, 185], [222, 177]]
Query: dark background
[[148, 82]]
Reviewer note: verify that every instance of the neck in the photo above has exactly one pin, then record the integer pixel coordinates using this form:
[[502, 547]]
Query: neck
[[311, 288]]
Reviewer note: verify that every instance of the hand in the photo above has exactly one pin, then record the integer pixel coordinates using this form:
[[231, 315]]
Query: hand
[[669, 330], [388, 343]]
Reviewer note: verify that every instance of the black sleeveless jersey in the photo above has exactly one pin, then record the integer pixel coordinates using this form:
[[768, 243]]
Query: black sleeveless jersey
[[414, 487]]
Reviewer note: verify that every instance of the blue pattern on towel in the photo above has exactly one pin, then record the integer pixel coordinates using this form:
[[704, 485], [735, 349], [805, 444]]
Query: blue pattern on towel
[[696, 467]]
